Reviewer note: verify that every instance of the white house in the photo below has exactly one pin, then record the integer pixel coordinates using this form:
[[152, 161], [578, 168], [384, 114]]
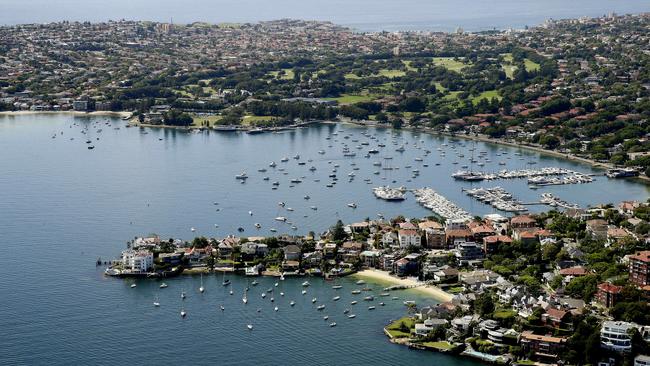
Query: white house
[[137, 261], [614, 336], [429, 325], [642, 360], [388, 239], [409, 237]]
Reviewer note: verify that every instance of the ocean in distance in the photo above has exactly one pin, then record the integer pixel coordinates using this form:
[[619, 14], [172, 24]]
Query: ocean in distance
[[362, 15], [62, 206]]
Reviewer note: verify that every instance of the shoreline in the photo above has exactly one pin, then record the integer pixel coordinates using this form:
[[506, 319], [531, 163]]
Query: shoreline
[[595, 164], [128, 117], [121, 114], [383, 276]]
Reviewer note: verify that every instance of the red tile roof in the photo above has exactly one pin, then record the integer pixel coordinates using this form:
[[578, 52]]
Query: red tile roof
[[609, 288], [643, 256]]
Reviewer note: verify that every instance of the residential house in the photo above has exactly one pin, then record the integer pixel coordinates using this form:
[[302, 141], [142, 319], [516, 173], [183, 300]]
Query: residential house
[[569, 273], [479, 278], [455, 224], [312, 259], [556, 318], [389, 239], [370, 258], [480, 230], [408, 238], [446, 274], [544, 348], [434, 238], [292, 253], [523, 222], [614, 335], [146, 243], [405, 267], [597, 228], [469, 253], [329, 250], [455, 236], [492, 243], [642, 360], [225, 249], [616, 235], [429, 325], [639, 267], [137, 260]]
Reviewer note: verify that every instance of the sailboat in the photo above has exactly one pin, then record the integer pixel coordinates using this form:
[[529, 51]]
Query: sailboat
[[156, 303], [183, 313], [201, 289], [183, 295], [245, 298], [225, 281]]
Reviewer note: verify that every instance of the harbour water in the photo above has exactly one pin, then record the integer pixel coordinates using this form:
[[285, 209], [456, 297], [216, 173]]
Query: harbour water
[[62, 206], [363, 15]]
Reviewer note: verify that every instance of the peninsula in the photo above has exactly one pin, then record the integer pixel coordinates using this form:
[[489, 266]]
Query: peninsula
[[530, 288]]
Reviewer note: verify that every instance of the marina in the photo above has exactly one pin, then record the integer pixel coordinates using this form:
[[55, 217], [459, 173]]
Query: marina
[[498, 198], [440, 205]]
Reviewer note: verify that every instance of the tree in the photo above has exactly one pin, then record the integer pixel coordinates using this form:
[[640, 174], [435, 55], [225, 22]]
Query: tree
[[338, 234], [177, 118], [484, 304], [549, 141], [583, 287]]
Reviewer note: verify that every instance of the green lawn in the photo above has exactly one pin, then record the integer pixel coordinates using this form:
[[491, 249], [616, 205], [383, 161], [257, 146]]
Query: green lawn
[[354, 98], [489, 94], [441, 345], [351, 76], [394, 327], [504, 314], [391, 74], [456, 290], [199, 120], [449, 63], [257, 120], [452, 96], [288, 74], [510, 69], [525, 362], [408, 65], [439, 87], [531, 65]]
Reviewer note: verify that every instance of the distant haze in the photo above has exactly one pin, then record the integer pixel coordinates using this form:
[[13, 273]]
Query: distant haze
[[364, 15]]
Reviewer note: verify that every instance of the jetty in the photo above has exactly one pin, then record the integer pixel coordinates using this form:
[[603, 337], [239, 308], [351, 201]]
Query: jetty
[[440, 205], [498, 198], [536, 177]]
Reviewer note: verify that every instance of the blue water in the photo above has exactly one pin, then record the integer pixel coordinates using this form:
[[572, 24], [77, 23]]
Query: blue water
[[62, 206], [365, 15]]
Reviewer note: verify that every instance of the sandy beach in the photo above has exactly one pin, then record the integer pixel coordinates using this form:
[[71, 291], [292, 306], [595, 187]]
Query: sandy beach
[[383, 276]]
